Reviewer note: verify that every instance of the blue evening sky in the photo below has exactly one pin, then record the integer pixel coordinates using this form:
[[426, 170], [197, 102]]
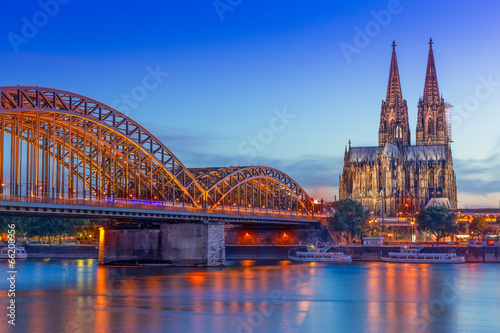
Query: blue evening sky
[[278, 83]]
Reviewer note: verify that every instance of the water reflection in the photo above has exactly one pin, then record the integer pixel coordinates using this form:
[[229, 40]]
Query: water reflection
[[252, 296]]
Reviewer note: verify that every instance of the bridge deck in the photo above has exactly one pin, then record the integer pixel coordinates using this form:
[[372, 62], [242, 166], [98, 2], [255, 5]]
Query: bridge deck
[[36, 206]]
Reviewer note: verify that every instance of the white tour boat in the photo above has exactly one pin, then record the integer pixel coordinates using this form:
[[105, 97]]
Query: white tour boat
[[318, 253], [413, 255], [20, 252]]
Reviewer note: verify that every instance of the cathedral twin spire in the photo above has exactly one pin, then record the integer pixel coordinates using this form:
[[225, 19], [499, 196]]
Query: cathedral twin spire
[[394, 115], [431, 90], [431, 123]]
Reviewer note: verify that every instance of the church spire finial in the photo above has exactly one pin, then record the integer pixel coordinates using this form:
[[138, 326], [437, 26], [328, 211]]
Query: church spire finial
[[394, 111], [431, 89], [393, 86]]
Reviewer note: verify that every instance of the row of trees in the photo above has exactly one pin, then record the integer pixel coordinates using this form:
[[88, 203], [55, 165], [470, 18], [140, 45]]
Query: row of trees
[[352, 220], [45, 227]]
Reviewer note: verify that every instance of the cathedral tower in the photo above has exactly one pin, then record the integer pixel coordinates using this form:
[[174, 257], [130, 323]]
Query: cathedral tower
[[431, 122], [395, 177], [394, 112]]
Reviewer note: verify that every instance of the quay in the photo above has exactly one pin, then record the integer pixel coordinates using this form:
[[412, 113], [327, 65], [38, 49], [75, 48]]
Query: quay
[[278, 252]]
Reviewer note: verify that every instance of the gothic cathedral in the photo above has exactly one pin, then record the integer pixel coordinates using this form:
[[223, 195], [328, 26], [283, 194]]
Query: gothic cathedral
[[396, 176]]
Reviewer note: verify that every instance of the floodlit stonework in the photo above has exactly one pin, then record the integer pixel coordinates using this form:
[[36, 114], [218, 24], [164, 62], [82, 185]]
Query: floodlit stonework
[[396, 176]]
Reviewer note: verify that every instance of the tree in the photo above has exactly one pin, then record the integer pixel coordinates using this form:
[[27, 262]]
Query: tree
[[480, 227], [439, 221], [350, 218]]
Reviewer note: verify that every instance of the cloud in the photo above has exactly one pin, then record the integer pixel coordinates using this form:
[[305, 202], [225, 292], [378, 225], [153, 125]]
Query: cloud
[[474, 200], [317, 174], [478, 181]]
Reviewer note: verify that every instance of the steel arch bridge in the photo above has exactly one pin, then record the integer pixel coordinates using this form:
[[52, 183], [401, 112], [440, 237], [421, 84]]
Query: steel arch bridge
[[67, 146]]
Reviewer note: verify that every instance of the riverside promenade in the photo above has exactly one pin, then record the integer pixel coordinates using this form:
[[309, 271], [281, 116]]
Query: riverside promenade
[[278, 252]]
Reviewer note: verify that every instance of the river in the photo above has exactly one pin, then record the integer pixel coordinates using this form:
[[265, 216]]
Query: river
[[253, 296]]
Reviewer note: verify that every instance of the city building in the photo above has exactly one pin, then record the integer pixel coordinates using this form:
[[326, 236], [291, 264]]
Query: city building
[[396, 176]]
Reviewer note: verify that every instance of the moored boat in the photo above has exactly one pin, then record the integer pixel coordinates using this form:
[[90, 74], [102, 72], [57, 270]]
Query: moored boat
[[18, 250], [414, 255], [318, 253]]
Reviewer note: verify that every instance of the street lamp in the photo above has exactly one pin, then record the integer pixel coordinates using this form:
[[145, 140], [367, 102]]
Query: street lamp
[[412, 223]]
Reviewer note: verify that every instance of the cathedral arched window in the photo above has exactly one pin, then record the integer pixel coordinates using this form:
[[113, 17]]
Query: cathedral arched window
[[431, 178], [399, 132], [441, 180], [430, 126]]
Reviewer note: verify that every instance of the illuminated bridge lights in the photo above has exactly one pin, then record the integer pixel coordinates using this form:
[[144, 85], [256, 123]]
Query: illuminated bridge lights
[[59, 145]]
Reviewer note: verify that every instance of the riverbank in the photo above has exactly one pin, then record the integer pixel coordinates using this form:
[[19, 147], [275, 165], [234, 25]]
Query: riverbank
[[63, 251], [278, 252]]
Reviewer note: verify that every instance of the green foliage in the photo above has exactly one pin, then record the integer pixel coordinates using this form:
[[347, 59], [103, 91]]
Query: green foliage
[[42, 226], [350, 218], [480, 227], [439, 221], [462, 227], [18, 221]]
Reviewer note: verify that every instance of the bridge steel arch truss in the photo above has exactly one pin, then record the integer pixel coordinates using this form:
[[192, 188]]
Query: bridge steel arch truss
[[255, 186], [65, 145]]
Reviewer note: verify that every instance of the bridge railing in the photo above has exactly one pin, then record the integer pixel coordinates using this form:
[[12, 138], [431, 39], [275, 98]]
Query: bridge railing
[[158, 205]]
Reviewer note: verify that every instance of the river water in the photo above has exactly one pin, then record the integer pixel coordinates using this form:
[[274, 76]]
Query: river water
[[253, 296]]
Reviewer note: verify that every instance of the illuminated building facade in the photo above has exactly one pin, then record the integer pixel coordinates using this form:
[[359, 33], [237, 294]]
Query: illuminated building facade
[[396, 176]]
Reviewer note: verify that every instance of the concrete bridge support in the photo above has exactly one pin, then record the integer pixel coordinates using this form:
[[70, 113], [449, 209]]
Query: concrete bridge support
[[176, 244]]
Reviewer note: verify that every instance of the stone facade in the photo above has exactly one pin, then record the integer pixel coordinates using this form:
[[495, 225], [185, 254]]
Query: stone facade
[[396, 175], [176, 244], [216, 245]]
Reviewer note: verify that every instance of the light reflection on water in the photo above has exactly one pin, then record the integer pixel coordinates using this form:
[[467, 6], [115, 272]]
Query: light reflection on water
[[255, 296]]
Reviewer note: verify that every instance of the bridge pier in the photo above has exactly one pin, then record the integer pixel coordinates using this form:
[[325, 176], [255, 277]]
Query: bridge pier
[[176, 244]]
